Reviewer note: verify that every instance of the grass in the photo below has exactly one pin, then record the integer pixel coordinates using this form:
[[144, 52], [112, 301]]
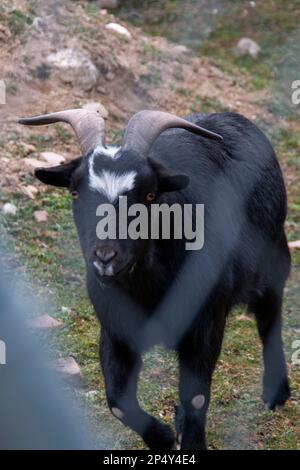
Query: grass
[[18, 21], [63, 134], [274, 25], [207, 105]]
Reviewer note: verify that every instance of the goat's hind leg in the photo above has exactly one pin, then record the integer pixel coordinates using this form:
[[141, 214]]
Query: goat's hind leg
[[267, 310], [121, 367]]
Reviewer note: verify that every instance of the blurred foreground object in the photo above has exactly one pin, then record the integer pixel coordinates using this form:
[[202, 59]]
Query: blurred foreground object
[[34, 415]]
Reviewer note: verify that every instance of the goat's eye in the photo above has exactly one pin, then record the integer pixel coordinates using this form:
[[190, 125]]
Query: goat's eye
[[150, 197], [75, 194]]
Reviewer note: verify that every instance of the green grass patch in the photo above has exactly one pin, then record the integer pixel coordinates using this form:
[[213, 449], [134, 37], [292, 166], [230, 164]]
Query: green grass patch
[[18, 21], [206, 105]]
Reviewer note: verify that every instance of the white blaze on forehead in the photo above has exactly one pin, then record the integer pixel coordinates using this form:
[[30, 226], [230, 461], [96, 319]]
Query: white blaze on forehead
[[110, 151], [108, 183]]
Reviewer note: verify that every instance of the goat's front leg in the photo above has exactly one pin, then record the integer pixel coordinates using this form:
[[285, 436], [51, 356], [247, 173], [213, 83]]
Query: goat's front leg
[[197, 359], [121, 368]]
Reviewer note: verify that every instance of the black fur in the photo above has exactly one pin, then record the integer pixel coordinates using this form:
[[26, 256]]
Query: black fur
[[183, 298]]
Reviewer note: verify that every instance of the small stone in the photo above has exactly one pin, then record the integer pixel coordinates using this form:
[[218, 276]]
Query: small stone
[[110, 76], [296, 330], [41, 216], [92, 394], [52, 158], [117, 28], [109, 4], [75, 67], [180, 49], [41, 23], [244, 317], [30, 191], [98, 107], [33, 163], [45, 322], [9, 209], [68, 368], [65, 309], [294, 245], [247, 46]]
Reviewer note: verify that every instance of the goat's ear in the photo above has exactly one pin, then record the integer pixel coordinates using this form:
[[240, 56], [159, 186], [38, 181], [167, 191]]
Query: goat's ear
[[58, 175], [168, 180]]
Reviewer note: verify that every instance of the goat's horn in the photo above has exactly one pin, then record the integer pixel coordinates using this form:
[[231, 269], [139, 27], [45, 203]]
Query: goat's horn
[[145, 126], [89, 126]]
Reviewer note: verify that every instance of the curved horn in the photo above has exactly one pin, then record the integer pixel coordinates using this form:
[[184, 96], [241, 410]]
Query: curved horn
[[89, 126], [145, 126]]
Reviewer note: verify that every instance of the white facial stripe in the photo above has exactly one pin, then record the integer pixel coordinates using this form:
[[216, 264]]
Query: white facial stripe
[[110, 151], [110, 184]]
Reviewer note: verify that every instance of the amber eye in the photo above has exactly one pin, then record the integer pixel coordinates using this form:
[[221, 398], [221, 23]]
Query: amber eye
[[75, 194], [150, 197]]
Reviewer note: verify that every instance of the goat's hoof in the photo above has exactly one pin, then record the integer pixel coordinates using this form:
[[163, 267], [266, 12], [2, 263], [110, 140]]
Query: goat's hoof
[[159, 436], [277, 399]]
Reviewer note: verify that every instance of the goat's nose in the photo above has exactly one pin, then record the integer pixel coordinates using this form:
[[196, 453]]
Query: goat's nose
[[105, 256]]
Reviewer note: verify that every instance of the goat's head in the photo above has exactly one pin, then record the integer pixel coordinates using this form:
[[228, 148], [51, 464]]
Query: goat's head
[[103, 174]]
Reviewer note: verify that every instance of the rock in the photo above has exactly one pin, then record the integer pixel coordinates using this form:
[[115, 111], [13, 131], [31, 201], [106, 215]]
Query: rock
[[180, 49], [68, 368], [109, 4], [33, 163], [92, 394], [119, 29], [9, 209], [45, 322], [75, 67], [244, 317], [294, 245], [66, 310], [30, 191], [52, 158], [41, 23], [110, 76], [41, 216], [97, 107], [247, 46]]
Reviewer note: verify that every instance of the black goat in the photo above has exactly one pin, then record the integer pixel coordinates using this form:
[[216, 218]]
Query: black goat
[[149, 291]]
